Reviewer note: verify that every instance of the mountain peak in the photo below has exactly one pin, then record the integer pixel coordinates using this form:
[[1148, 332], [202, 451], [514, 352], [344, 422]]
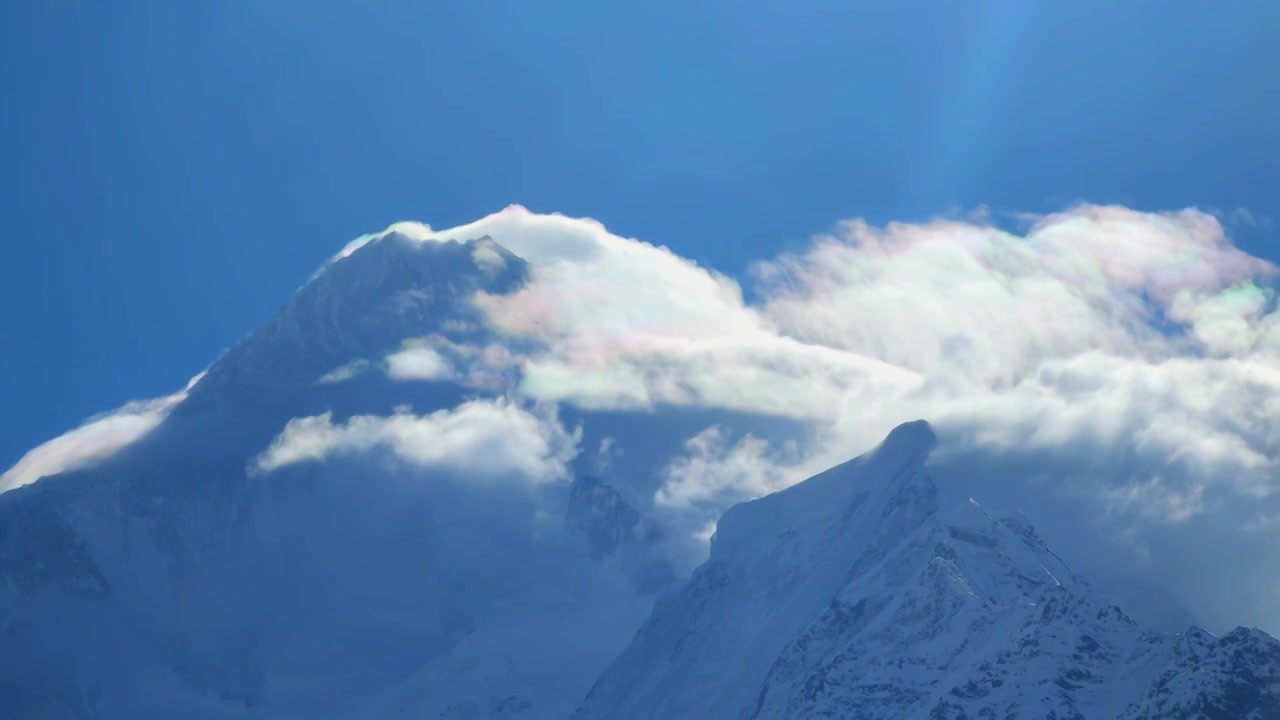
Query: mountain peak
[[852, 595], [916, 436], [599, 513], [362, 304], [891, 472]]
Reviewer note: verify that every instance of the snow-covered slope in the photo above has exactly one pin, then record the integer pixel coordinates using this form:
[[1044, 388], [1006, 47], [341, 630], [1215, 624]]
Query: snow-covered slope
[[852, 595], [173, 581], [170, 581]]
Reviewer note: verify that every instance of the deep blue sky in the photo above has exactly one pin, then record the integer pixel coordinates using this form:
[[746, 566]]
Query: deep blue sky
[[174, 170]]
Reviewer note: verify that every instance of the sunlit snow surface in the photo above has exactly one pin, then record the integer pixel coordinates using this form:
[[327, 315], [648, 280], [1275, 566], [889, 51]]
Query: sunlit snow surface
[[853, 595]]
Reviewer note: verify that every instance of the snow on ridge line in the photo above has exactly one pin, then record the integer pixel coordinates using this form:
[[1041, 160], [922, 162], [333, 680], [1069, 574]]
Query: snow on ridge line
[[829, 493], [421, 233]]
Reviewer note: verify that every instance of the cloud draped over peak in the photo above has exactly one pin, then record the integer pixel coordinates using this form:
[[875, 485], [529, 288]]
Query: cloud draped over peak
[[1141, 333], [1136, 355]]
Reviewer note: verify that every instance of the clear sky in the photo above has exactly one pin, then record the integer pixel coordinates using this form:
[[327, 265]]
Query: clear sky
[[174, 170]]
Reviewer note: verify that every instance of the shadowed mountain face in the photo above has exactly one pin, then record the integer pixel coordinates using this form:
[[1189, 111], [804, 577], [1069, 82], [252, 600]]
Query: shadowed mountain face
[[602, 516], [175, 579], [614, 529], [361, 306]]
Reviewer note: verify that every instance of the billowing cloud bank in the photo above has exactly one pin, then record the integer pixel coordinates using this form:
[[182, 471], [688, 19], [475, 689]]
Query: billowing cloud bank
[[1132, 332], [1134, 356]]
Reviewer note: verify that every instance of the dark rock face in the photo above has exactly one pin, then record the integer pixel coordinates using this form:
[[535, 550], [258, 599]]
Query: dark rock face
[[600, 514], [614, 528]]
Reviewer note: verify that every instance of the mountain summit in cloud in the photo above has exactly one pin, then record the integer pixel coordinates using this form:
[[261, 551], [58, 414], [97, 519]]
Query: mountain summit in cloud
[[378, 503], [363, 305]]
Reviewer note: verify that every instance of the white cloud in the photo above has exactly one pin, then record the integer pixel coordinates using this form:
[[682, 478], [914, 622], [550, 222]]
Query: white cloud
[[417, 362], [344, 373], [1146, 333], [480, 439], [1152, 499], [487, 257], [626, 324], [491, 366], [606, 454], [97, 439], [1137, 352], [410, 229], [717, 470]]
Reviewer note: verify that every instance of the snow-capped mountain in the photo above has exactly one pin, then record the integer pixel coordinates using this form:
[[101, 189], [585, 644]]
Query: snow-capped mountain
[[361, 307], [173, 580], [853, 595], [179, 579]]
